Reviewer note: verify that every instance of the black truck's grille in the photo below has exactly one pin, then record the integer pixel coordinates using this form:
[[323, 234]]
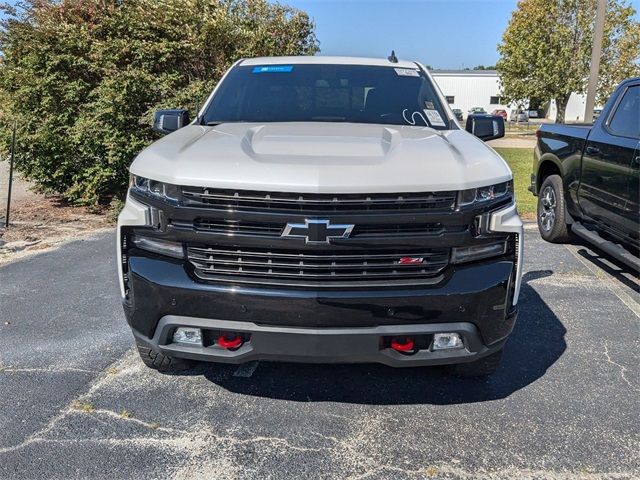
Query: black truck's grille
[[269, 266], [315, 203]]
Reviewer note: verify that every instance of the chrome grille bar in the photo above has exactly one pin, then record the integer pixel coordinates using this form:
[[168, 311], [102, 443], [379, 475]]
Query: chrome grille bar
[[283, 201], [236, 264]]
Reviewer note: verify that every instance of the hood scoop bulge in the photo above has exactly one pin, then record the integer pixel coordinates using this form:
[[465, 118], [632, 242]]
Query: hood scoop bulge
[[324, 140]]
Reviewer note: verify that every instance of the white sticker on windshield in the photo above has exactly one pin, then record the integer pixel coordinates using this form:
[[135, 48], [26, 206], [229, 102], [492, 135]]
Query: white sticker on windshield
[[434, 118], [407, 72]]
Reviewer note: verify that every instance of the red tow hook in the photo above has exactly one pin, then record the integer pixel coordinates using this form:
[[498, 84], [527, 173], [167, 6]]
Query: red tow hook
[[230, 342], [402, 344]]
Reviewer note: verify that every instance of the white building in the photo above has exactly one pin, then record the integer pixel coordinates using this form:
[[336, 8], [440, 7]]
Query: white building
[[575, 108], [466, 89]]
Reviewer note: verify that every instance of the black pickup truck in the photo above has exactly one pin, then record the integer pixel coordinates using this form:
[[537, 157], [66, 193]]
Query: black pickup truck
[[586, 178]]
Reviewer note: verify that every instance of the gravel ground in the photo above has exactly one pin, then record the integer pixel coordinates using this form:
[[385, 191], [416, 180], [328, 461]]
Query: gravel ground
[[20, 189], [40, 223], [76, 402]]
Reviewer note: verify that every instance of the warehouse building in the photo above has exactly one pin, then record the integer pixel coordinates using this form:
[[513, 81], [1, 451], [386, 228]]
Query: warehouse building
[[465, 89]]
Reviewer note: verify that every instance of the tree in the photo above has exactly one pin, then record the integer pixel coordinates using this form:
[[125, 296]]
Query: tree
[[84, 76], [546, 50]]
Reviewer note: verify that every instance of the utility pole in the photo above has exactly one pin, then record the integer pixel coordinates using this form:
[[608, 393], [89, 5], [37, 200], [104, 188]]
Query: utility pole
[[596, 52], [13, 156]]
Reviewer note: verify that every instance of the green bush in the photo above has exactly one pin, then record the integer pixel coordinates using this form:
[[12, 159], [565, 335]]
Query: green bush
[[83, 77]]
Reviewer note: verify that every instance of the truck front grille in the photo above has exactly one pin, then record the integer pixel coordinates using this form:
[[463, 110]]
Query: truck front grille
[[275, 229], [319, 269], [237, 227], [315, 202], [236, 236]]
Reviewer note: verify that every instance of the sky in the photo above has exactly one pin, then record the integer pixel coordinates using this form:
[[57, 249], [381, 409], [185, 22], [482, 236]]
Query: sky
[[442, 33], [452, 34]]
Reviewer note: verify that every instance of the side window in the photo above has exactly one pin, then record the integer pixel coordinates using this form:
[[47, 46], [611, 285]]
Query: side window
[[626, 119]]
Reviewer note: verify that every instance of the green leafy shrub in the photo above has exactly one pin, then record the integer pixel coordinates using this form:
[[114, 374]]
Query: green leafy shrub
[[83, 77]]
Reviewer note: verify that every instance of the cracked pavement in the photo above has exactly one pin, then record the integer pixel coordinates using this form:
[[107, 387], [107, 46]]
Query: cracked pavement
[[76, 402]]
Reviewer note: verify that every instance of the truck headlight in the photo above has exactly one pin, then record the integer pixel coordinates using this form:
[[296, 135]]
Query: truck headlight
[[161, 190], [484, 194]]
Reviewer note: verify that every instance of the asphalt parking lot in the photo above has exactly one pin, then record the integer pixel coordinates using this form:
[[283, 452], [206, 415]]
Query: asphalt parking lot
[[76, 402]]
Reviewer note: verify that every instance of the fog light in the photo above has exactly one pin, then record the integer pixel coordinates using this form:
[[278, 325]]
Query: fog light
[[188, 335], [447, 341]]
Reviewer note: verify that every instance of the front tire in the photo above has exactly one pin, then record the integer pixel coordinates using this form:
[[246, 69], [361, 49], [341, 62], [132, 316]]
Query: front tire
[[161, 362], [480, 368], [552, 221]]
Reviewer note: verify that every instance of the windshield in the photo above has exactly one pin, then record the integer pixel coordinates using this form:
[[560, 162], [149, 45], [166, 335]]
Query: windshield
[[327, 93]]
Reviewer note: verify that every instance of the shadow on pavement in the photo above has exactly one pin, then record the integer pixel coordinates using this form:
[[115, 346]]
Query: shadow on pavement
[[535, 344], [621, 272]]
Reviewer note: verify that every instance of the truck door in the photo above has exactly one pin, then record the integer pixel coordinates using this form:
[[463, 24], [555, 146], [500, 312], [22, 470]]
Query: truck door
[[633, 206], [608, 172]]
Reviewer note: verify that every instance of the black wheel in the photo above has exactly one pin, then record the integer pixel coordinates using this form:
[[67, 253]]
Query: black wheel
[[552, 221], [480, 368], [159, 361]]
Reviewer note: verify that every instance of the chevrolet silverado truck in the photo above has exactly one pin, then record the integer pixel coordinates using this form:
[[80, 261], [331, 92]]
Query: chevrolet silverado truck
[[321, 209], [586, 178]]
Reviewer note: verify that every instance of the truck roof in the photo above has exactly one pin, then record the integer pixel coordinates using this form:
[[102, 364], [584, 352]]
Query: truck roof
[[325, 60]]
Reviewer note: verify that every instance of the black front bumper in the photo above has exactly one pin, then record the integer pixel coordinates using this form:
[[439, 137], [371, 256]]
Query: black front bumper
[[319, 345], [326, 326]]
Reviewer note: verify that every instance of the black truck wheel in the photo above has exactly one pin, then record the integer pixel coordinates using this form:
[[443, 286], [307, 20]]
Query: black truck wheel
[[552, 221], [480, 368], [159, 361]]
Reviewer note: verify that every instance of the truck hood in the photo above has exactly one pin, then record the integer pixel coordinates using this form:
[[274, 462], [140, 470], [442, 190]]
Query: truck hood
[[322, 158]]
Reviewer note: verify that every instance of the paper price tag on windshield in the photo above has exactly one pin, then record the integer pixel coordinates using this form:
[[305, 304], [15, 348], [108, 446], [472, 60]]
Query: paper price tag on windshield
[[434, 118], [407, 72]]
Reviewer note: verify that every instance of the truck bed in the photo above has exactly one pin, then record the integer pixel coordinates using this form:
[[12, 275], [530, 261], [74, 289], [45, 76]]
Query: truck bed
[[575, 131]]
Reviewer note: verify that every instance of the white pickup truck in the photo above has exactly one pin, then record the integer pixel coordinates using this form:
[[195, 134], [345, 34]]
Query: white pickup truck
[[322, 209]]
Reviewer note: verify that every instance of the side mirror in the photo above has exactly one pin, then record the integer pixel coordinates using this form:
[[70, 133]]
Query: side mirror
[[485, 127], [167, 121]]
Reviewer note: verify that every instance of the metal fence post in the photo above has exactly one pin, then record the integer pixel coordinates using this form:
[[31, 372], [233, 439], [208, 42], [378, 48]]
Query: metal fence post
[[13, 155]]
